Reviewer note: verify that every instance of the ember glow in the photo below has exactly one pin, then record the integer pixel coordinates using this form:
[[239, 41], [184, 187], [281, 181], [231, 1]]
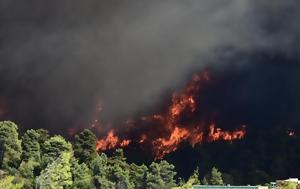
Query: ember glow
[[165, 131], [291, 133], [217, 134]]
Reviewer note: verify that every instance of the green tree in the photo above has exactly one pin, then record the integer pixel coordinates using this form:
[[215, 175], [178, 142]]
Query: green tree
[[31, 146], [43, 137], [82, 176], [194, 178], [188, 185], [216, 177], [181, 181], [27, 171], [119, 170], [58, 174], [85, 146], [31, 157], [53, 148], [204, 181], [10, 182], [153, 178], [100, 169], [167, 173], [160, 175], [289, 185], [138, 175], [9, 137]]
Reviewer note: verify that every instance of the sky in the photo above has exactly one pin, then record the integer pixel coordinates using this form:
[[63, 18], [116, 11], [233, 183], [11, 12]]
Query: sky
[[59, 59]]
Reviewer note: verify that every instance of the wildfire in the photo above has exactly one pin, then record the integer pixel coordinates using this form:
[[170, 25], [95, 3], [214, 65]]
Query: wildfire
[[111, 141], [164, 146], [167, 129], [217, 134]]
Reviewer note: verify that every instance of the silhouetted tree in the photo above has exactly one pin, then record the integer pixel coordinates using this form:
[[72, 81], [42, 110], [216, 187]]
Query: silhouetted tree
[[216, 177]]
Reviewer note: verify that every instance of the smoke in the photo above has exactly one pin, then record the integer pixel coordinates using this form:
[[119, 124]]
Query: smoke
[[60, 57]]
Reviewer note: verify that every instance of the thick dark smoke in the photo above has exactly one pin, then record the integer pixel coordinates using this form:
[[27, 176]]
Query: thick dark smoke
[[58, 58]]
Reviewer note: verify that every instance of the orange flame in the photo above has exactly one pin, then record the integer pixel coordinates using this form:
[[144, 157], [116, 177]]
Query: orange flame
[[217, 134], [164, 146], [111, 141], [168, 131], [124, 143]]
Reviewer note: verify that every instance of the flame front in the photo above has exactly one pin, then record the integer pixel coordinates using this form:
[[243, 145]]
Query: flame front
[[111, 141], [167, 130], [217, 134]]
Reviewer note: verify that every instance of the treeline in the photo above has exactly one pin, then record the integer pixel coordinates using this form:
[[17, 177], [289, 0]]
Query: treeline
[[37, 160]]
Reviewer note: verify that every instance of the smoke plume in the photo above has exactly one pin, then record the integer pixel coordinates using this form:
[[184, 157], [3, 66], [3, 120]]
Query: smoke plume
[[60, 58]]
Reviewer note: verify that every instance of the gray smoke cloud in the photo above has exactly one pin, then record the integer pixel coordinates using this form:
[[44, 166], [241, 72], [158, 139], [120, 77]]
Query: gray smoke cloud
[[59, 57]]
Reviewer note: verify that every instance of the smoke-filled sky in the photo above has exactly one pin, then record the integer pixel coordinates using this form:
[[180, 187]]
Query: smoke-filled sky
[[60, 58]]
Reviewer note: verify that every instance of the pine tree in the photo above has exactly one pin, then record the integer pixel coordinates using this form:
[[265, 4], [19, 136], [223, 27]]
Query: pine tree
[[119, 170], [160, 175], [82, 176], [167, 173], [204, 181], [138, 175], [58, 174], [53, 148], [31, 157], [153, 178], [43, 137], [194, 178], [216, 177], [11, 145], [100, 169], [31, 146], [85, 146]]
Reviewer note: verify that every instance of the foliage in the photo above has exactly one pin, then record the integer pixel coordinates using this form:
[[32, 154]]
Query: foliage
[[12, 145], [216, 177], [289, 185], [194, 178], [85, 146], [58, 174], [100, 170], [26, 170], [10, 182], [41, 161], [160, 175], [204, 181], [82, 176], [119, 171], [53, 148], [43, 137], [138, 175], [31, 146]]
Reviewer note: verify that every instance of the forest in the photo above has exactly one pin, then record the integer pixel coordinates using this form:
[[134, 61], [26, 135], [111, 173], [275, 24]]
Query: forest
[[38, 160]]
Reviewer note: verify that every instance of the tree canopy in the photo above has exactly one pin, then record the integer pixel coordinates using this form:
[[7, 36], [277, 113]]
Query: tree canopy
[[37, 160]]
